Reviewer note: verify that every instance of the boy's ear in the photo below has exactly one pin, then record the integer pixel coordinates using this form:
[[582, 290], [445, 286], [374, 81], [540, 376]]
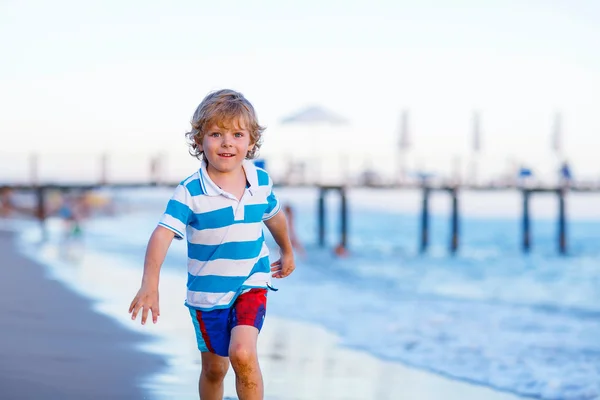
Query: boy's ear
[[198, 142]]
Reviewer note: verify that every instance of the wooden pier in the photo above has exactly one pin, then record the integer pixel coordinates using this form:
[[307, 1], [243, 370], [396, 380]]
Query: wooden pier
[[454, 194], [527, 192], [322, 214]]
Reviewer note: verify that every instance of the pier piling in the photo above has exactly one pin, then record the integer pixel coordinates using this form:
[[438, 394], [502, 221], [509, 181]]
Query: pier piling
[[562, 224], [321, 216], [454, 221], [425, 219], [41, 212], [343, 219], [526, 225], [322, 211]]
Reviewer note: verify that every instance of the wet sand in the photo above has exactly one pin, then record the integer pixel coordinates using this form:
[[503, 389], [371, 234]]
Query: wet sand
[[53, 346], [302, 361]]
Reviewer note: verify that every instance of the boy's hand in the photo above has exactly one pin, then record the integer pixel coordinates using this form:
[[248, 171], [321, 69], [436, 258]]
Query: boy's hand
[[284, 266], [145, 300]]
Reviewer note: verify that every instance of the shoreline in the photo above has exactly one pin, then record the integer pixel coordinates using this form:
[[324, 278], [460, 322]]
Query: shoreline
[[299, 360], [325, 369], [54, 345]]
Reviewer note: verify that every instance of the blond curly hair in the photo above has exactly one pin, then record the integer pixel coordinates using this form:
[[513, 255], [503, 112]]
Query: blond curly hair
[[224, 108]]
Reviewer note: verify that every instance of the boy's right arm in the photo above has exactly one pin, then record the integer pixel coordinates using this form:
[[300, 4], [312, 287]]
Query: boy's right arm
[[147, 297]]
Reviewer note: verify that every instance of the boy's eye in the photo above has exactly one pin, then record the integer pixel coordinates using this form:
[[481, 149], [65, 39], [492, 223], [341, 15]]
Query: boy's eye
[[215, 134], [238, 134]]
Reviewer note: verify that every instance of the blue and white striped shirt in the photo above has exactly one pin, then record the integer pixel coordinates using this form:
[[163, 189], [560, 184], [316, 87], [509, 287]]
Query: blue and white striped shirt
[[227, 253]]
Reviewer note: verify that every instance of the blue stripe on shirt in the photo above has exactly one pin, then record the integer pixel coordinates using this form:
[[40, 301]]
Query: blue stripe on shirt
[[213, 219], [224, 284], [263, 177], [214, 283], [178, 211], [254, 212], [224, 217], [228, 251], [262, 265], [272, 203], [194, 187]]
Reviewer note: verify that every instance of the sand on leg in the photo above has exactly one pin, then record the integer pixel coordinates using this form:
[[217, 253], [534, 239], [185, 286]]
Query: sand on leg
[[244, 360]]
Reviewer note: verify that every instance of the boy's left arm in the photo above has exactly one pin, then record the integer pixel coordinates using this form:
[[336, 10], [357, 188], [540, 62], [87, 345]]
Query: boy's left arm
[[277, 225]]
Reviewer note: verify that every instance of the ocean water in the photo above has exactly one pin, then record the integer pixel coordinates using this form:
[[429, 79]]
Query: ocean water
[[522, 323]]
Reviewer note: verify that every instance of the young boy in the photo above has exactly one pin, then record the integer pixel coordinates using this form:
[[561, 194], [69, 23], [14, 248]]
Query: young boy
[[221, 208]]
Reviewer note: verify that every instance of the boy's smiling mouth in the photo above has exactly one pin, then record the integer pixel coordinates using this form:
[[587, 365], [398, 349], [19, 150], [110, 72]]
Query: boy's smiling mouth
[[226, 155]]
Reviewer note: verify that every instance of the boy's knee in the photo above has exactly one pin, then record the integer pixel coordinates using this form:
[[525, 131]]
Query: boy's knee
[[215, 371], [242, 356]]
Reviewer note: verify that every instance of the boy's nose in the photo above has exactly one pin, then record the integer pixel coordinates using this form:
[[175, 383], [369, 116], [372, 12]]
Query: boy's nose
[[226, 142]]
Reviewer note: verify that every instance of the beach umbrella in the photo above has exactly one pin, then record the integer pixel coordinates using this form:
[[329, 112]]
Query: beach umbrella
[[314, 115], [309, 141]]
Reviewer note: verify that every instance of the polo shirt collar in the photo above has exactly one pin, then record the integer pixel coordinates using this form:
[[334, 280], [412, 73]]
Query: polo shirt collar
[[251, 173], [212, 189]]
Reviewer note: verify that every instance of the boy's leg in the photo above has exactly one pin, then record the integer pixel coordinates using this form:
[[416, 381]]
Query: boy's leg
[[248, 314], [214, 368], [213, 337], [244, 359]]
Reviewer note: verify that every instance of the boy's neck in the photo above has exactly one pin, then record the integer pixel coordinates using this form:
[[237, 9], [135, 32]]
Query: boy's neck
[[232, 181]]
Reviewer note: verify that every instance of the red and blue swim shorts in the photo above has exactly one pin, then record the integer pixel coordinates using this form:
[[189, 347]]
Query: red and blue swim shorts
[[213, 328]]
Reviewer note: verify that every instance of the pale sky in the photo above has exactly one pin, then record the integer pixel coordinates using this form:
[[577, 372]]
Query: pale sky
[[90, 76]]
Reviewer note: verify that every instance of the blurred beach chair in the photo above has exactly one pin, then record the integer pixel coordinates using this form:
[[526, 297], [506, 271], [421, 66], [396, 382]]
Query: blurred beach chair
[[525, 177]]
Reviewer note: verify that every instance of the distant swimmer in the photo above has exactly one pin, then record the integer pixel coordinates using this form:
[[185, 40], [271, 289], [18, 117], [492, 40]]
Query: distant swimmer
[[6, 201], [71, 212], [341, 251], [289, 213]]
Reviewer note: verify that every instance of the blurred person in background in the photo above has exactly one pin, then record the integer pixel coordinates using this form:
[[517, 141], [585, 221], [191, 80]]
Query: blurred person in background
[[6, 202], [296, 244]]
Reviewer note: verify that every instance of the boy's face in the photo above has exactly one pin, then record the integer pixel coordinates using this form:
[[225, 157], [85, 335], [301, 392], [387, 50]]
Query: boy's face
[[226, 147]]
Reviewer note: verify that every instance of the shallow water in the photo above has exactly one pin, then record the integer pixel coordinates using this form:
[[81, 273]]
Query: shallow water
[[527, 324]]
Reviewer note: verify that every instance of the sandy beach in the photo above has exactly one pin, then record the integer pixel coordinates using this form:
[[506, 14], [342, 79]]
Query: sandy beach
[[55, 347], [73, 350]]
